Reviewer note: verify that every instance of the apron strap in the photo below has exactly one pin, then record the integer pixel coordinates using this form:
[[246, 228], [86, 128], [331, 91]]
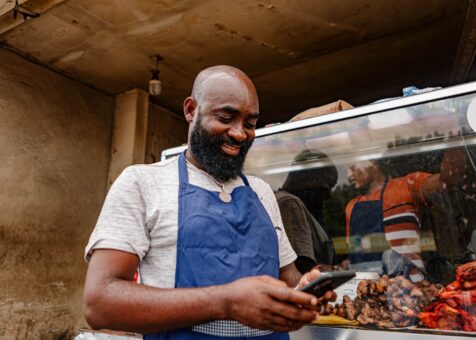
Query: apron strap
[[245, 180], [383, 190], [183, 174]]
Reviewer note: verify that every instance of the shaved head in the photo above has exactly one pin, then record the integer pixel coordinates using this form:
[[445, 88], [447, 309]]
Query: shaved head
[[219, 73]]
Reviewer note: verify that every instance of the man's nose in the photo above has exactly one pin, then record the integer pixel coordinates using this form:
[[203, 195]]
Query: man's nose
[[237, 133]]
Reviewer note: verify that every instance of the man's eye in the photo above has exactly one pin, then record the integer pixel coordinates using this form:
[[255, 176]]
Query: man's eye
[[250, 124], [225, 119]]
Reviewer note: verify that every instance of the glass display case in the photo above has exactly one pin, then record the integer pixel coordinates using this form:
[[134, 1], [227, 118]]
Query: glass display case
[[387, 190]]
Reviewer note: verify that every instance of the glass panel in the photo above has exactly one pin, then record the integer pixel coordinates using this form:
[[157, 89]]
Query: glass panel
[[392, 196]]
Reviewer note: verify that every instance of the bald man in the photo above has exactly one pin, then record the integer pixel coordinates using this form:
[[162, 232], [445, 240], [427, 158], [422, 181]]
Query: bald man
[[213, 259]]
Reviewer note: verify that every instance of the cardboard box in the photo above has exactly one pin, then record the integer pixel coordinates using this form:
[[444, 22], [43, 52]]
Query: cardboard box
[[337, 106]]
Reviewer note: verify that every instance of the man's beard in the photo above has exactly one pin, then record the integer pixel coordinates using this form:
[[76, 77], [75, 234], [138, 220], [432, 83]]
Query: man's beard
[[206, 150]]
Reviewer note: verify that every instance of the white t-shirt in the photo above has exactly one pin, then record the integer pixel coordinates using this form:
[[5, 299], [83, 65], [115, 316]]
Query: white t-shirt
[[140, 216]]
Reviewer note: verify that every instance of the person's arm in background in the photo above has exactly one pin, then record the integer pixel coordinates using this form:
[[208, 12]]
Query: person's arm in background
[[454, 167], [452, 172], [298, 230]]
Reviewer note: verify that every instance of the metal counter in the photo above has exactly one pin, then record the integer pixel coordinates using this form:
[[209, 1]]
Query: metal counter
[[331, 333]]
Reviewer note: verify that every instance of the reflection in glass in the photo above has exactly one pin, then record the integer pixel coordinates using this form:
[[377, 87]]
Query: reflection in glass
[[416, 166]]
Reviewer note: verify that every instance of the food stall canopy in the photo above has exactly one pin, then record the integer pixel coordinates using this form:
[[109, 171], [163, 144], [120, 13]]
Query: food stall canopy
[[300, 54]]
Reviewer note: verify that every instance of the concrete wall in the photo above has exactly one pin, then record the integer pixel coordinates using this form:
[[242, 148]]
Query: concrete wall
[[54, 150], [165, 130]]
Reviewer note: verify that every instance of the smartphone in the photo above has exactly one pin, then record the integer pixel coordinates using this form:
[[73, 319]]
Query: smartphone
[[327, 281]]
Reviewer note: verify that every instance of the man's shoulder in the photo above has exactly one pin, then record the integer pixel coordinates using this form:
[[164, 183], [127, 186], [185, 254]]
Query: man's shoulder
[[151, 174], [288, 201], [284, 196], [258, 184], [162, 166], [262, 189], [412, 178]]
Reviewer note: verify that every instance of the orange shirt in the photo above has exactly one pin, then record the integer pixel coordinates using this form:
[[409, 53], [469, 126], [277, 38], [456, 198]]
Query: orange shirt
[[401, 201], [401, 195]]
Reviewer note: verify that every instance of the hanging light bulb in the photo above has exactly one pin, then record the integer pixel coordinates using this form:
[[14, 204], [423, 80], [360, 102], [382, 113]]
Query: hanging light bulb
[[155, 85]]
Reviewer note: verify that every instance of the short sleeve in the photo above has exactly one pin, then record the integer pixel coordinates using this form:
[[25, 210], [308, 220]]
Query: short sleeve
[[122, 222]]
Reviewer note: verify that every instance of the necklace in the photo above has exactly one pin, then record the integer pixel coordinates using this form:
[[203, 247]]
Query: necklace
[[223, 195]]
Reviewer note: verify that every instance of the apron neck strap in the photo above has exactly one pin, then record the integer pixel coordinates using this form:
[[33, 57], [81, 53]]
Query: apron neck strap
[[245, 180], [381, 191], [183, 174], [383, 188]]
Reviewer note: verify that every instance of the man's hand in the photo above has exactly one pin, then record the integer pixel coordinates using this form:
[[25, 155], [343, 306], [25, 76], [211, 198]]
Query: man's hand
[[312, 275], [308, 277], [267, 303]]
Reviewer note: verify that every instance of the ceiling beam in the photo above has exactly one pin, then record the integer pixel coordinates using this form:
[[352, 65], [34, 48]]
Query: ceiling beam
[[467, 47], [8, 5], [7, 22]]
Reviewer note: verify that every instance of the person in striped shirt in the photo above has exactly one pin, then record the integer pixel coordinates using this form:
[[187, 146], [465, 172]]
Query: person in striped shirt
[[388, 207]]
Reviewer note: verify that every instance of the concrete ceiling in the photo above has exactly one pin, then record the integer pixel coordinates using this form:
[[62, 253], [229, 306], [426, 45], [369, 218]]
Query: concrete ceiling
[[300, 53]]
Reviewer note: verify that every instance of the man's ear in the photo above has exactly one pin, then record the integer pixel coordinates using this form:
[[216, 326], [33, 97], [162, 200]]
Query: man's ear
[[189, 106]]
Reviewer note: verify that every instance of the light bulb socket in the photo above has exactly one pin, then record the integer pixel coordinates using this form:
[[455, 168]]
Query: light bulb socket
[[155, 85], [155, 74]]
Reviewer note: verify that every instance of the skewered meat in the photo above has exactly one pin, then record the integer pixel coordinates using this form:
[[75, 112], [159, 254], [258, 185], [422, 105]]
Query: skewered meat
[[416, 292], [385, 323], [457, 303], [464, 298], [469, 285], [466, 272], [455, 285], [387, 302], [363, 288], [349, 307]]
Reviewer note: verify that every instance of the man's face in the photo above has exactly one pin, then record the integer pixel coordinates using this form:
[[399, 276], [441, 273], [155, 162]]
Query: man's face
[[360, 174], [224, 126]]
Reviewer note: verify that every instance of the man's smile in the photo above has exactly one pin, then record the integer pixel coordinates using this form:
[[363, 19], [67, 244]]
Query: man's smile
[[230, 149]]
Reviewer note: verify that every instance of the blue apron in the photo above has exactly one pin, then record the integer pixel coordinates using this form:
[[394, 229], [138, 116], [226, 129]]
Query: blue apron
[[366, 218], [219, 243]]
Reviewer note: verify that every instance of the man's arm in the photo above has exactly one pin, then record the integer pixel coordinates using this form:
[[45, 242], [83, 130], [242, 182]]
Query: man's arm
[[293, 277], [112, 301], [290, 275], [452, 171]]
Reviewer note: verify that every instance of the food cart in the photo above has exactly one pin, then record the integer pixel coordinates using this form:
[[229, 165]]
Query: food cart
[[433, 134]]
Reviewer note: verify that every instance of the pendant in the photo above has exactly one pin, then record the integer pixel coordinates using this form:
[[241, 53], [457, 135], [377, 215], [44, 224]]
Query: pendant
[[224, 196]]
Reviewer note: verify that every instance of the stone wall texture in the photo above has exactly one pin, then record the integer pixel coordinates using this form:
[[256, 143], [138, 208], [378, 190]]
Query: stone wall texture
[[55, 137]]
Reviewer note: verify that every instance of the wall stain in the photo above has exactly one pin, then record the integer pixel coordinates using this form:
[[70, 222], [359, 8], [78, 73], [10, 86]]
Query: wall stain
[[245, 37]]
